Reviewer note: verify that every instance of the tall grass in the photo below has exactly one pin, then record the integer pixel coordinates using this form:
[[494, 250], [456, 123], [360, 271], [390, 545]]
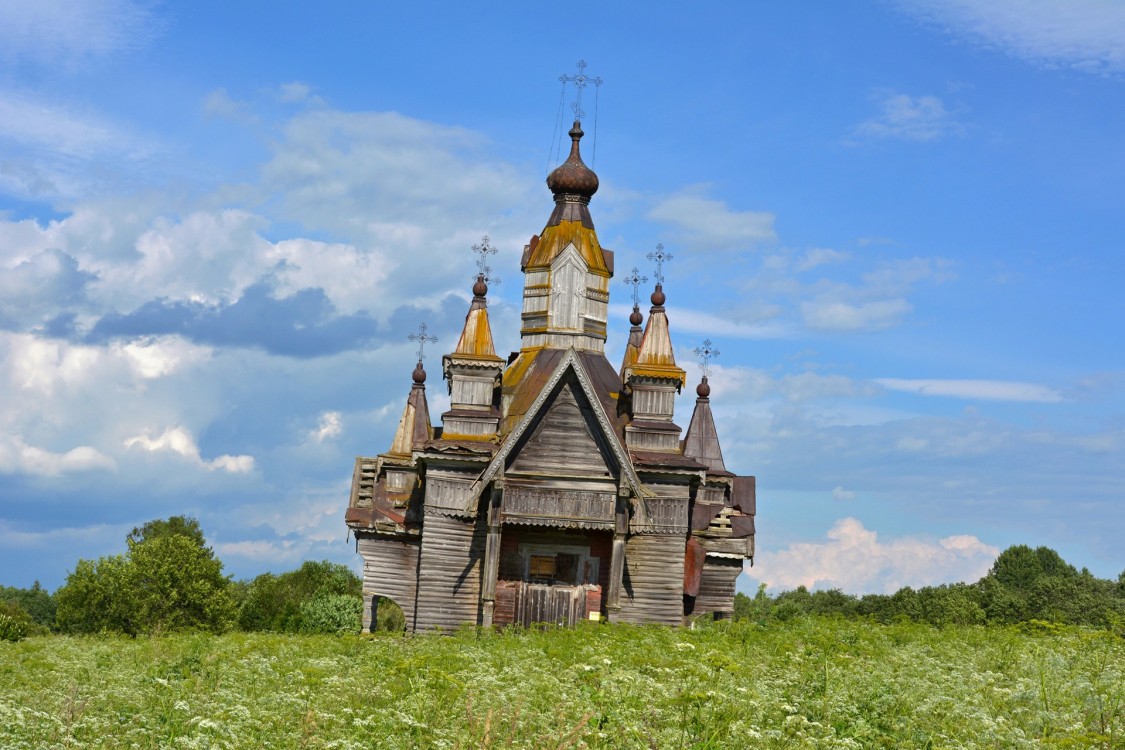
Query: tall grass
[[804, 683]]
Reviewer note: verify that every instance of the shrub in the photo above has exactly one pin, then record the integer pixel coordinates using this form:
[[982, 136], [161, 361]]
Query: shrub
[[332, 613], [274, 602]]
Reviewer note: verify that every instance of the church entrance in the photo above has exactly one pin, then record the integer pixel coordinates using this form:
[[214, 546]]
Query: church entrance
[[548, 578]]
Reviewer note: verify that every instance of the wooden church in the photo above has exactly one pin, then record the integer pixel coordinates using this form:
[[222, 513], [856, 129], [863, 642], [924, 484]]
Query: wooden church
[[557, 488]]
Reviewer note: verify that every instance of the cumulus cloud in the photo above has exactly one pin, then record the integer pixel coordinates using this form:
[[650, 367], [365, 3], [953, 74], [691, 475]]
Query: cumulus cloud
[[988, 390], [909, 118], [856, 561], [329, 426], [711, 224], [17, 457], [1087, 35], [179, 441]]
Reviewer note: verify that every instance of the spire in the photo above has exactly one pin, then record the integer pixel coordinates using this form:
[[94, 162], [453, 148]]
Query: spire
[[476, 336], [414, 427], [636, 333], [701, 442], [655, 357]]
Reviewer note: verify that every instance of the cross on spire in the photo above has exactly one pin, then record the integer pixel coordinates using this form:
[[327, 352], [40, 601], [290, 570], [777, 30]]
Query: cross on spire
[[484, 249], [634, 279], [580, 82], [660, 257], [706, 353], [422, 338]]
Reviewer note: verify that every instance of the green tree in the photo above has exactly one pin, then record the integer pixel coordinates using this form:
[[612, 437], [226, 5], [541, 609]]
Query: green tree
[[167, 580], [36, 601], [162, 527], [1019, 566]]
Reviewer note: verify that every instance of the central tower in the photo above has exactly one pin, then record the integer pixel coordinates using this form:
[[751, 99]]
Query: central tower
[[566, 271]]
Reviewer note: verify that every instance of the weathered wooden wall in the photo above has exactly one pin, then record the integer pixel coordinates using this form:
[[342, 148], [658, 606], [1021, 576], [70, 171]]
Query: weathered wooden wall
[[390, 569], [449, 574], [716, 587], [652, 586]]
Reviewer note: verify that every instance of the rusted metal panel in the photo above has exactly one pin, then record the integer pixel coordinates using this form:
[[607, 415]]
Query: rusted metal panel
[[741, 526], [652, 580], [390, 569], [694, 556], [703, 513], [449, 573], [744, 494]]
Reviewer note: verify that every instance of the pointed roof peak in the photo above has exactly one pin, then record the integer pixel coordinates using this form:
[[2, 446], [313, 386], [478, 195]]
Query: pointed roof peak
[[414, 427], [701, 442]]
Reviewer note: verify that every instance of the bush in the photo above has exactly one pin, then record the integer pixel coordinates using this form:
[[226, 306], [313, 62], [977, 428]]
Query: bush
[[274, 602], [332, 613], [35, 601]]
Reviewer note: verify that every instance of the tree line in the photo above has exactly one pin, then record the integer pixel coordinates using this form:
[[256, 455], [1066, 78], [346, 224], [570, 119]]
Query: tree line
[[1023, 585], [169, 579]]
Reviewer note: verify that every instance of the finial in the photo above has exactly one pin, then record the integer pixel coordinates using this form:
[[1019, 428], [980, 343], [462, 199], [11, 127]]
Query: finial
[[419, 374], [580, 82], [660, 257], [573, 180], [421, 337], [484, 271], [706, 353]]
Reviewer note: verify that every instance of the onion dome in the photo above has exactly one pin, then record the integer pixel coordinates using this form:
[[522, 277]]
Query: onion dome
[[635, 317], [419, 373], [703, 390], [658, 297], [573, 179], [480, 288]]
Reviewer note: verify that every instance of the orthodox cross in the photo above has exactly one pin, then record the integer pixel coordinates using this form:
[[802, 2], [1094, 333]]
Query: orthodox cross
[[580, 82], [484, 249], [706, 353], [634, 279], [421, 338], [660, 257]]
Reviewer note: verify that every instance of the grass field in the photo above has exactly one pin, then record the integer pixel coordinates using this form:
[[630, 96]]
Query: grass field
[[804, 683]]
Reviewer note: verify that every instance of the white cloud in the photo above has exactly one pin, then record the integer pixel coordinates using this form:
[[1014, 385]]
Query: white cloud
[[989, 390], [329, 426], [839, 493], [910, 118], [1084, 34], [220, 105], [17, 457], [180, 441], [836, 315], [709, 223], [855, 561]]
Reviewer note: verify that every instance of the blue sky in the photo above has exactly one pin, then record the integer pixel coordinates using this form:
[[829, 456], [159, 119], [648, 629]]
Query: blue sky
[[899, 222]]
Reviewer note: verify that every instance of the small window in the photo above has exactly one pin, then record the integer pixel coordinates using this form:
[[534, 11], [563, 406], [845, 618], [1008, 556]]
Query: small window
[[541, 567]]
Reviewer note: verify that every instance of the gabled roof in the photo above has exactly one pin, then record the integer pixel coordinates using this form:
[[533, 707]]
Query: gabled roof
[[534, 395]]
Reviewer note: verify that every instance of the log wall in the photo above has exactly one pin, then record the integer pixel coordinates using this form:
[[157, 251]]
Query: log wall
[[652, 585], [716, 587], [449, 574], [390, 569]]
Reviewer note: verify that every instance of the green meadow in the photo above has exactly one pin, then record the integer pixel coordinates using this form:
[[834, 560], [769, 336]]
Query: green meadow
[[807, 682]]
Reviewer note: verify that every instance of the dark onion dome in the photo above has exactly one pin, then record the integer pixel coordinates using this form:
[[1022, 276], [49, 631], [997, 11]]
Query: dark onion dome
[[480, 288], [658, 298], [635, 317], [419, 373], [703, 390], [573, 177]]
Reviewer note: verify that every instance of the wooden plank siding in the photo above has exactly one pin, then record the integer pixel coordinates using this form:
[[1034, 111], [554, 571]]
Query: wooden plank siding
[[652, 586], [449, 574], [716, 587], [390, 569]]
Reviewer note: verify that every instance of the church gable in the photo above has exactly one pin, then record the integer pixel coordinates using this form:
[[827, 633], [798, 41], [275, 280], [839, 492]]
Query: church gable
[[566, 441]]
